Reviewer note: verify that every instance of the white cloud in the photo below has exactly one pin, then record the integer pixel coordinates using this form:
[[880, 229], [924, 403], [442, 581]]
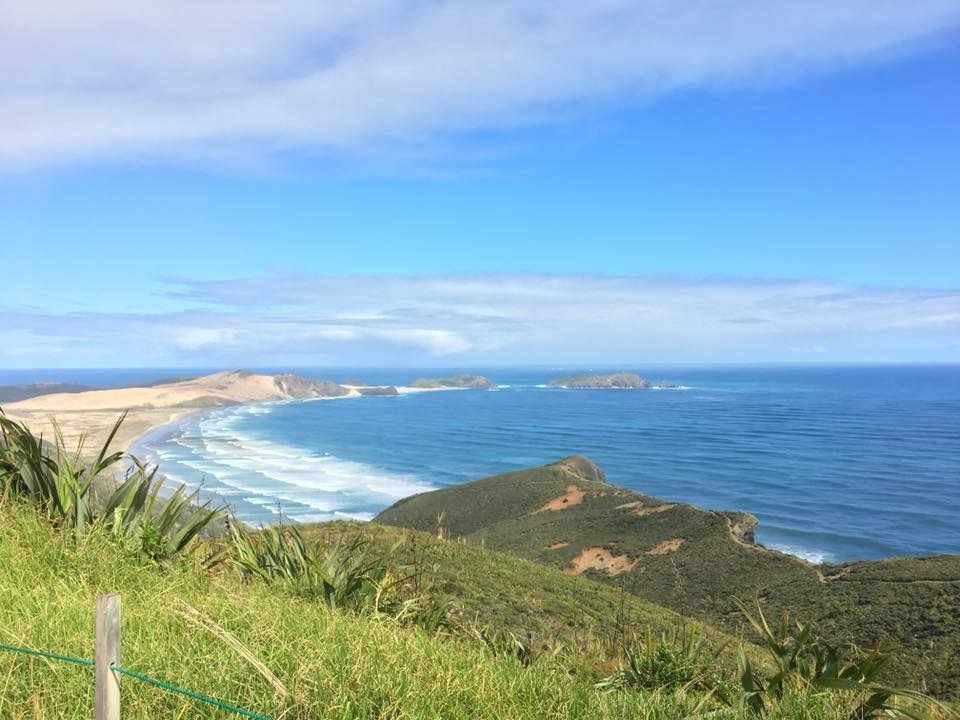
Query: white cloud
[[435, 342], [22, 344], [182, 78], [195, 338], [506, 319]]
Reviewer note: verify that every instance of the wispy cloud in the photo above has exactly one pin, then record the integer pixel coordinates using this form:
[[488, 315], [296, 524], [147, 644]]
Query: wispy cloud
[[200, 80], [284, 320]]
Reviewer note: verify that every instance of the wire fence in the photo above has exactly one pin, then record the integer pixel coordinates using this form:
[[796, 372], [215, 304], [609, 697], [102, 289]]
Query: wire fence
[[170, 687]]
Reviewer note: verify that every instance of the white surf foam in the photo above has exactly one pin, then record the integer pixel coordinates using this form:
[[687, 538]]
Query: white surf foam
[[407, 390], [810, 554], [305, 484]]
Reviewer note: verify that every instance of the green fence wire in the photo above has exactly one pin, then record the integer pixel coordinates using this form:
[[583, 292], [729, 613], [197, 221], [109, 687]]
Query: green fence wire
[[188, 693], [41, 653], [87, 662]]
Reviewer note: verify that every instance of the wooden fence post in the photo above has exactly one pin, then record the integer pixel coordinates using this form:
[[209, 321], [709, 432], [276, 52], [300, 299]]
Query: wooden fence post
[[106, 703]]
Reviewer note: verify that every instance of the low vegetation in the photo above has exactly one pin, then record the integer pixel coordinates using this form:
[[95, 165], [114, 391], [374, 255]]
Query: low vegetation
[[703, 563], [352, 620]]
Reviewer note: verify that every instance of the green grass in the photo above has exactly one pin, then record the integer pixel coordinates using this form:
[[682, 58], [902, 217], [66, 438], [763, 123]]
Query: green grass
[[914, 602], [539, 605], [332, 664]]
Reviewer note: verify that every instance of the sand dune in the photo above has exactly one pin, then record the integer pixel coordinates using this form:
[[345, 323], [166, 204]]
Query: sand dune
[[94, 412]]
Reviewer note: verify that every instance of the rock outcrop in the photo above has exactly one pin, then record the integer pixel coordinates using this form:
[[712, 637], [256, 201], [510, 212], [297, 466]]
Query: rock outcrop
[[582, 466], [377, 390], [298, 387], [620, 380], [473, 382]]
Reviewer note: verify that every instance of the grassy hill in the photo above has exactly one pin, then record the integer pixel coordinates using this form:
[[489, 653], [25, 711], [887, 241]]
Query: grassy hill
[[327, 663], [697, 562], [541, 607], [332, 665]]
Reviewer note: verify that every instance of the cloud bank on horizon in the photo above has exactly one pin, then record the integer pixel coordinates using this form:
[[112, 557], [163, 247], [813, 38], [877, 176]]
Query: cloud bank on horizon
[[495, 319], [216, 81]]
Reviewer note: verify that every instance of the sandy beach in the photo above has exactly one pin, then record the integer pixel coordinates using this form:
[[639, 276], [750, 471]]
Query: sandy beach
[[93, 413]]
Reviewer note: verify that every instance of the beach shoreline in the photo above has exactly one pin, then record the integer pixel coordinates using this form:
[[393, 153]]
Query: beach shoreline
[[90, 415]]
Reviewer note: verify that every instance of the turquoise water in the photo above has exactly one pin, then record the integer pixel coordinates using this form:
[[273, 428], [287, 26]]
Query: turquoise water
[[837, 463]]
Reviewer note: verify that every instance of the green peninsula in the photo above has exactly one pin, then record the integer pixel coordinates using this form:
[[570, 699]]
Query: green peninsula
[[699, 563]]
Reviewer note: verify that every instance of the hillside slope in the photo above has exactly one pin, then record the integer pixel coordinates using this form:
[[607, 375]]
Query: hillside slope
[[330, 664], [540, 606], [698, 562]]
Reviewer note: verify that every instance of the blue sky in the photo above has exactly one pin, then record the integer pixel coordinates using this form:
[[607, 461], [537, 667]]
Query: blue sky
[[748, 183]]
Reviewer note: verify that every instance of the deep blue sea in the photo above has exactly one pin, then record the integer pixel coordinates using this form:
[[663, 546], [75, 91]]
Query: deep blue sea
[[838, 463]]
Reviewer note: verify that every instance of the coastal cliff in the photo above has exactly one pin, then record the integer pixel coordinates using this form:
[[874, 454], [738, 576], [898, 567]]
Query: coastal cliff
[[295, 387]]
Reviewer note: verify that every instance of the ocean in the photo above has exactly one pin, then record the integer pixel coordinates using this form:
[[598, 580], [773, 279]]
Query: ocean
[[838, 463]]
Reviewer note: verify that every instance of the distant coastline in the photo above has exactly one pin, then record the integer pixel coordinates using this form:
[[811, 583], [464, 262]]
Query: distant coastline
[[82, 411]]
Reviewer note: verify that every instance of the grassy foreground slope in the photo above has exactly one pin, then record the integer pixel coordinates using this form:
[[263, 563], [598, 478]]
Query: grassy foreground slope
[[329, 664], [697, 562], [333, 665], [541, 607]]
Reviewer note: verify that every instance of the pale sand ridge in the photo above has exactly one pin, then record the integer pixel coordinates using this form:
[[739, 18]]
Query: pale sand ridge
[[94, 412]]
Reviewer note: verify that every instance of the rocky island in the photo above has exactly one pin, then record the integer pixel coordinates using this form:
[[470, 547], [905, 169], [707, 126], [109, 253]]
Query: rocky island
[[471, 382], [376, 390], [618, 380]]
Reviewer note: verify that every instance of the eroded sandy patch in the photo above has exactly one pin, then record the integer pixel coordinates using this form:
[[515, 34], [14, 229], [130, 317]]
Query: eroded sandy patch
[[573, 496], [667, 546], [641, 510], [598, 558]]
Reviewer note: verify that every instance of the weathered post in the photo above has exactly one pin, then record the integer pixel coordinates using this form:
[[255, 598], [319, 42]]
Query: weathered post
[[106, 703]]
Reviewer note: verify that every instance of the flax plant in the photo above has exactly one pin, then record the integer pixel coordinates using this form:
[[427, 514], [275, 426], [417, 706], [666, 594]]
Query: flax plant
[[68, 489], [804, 662], [345, 575]]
